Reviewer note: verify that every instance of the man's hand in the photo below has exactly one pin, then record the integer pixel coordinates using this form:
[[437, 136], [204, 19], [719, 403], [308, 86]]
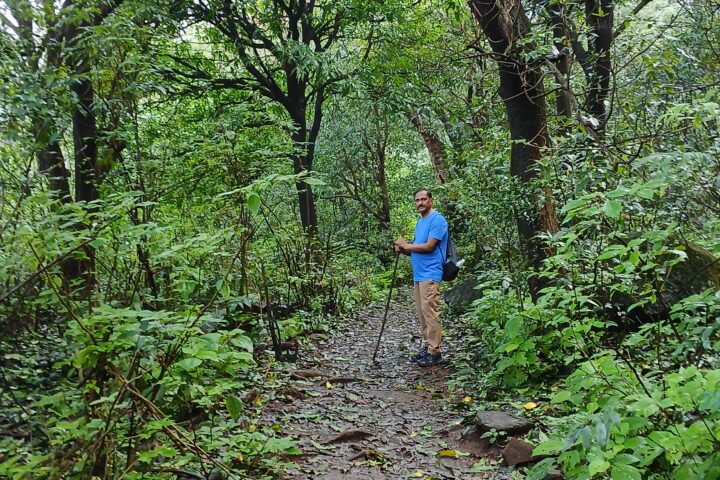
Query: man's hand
[[401, 245], [407, 247]]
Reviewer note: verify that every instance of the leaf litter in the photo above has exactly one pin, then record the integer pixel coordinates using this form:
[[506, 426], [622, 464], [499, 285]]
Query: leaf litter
[[387, 420]]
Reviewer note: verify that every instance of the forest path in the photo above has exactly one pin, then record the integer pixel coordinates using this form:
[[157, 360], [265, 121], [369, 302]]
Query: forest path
[[390, 420]]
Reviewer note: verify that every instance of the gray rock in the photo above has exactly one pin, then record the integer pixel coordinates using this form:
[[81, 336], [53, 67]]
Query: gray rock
[[502, 422], [461, 295], [518, 453]]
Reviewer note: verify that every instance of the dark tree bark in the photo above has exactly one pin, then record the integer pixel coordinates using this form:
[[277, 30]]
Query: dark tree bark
[[563, 100], [51, 163], [599, 17], [504, 23], [85, 140]]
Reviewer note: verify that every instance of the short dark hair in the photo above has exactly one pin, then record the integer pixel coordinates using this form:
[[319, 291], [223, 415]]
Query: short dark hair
[[429, 193]]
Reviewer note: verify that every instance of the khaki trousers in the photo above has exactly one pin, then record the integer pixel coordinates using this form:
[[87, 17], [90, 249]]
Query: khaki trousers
[[427, 303]]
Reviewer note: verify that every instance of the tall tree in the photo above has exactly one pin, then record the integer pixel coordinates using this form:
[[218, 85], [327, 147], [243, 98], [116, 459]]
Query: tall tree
[[281, 49], [506, 26]]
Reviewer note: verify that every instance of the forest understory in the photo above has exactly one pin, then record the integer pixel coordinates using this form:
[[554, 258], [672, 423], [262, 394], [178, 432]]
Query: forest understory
[[199, 201]]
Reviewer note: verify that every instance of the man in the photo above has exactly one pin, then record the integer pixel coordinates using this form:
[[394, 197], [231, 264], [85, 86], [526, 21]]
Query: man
[[427, 255]]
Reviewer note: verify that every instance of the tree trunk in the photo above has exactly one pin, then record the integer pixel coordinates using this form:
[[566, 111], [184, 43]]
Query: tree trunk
[[521, 90], [51, 163], [599, 17], [563, 101], [85, 140], [435, 147], [382, 181], [303, 162]]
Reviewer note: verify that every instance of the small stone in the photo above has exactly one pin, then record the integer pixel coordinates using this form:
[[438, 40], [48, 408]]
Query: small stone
[[502, 422], [518, 452]]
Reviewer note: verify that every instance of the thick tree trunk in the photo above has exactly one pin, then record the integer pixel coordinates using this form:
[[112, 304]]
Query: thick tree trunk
[[303, 162], [51, 163], [85, 141], [521, 89], [599, 17], [563, 102]]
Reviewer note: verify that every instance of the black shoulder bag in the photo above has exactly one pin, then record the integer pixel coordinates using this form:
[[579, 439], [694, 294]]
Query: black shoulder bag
[[450, 268]]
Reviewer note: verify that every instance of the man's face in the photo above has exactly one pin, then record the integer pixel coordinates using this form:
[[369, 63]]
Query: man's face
[[423, 203]]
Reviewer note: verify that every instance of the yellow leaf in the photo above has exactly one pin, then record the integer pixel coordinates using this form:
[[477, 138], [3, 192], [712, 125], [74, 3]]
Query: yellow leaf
[[418, 474], [413, 433], [258, 401], [420, 386], [252, 428], [467, 399], [328, 385], [448, 452], [530, 405]]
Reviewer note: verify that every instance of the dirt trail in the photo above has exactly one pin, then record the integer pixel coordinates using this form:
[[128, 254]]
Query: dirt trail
[[390, 420]]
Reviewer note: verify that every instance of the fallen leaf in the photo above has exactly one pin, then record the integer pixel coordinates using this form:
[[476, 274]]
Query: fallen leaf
[[467, 399], [530, 406], [328, 385], [449, 452], [413, 434]]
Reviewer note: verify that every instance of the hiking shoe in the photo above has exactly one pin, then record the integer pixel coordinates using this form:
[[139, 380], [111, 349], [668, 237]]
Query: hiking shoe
[[430, 360], [422, 353]]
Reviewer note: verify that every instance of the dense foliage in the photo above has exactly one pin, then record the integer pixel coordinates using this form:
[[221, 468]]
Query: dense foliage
[[188, 189]]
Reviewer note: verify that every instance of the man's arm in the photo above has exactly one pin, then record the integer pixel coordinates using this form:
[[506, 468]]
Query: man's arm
[[407, 247]]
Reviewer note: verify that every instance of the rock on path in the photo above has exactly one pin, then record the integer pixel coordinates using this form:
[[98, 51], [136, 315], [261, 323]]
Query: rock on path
[[359, 420]]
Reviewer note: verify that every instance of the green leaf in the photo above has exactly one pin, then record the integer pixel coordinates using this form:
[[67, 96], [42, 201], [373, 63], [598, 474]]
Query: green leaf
[[513, 327], [253, 203], [612, 208], [189, 364], [548, 447], [625, 472], [710, 401], [312, 181], [561, 396], [598, 465], [234, 406]]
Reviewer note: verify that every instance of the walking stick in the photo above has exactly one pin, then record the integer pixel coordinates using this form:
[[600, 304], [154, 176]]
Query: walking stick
[[387, 305]]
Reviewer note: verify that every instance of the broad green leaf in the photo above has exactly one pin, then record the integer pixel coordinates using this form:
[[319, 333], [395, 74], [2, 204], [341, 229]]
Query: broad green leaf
[[313, 181], [548, 447], [598, 465], [189, 363], [612, 208], [234, 406], [253, 203]]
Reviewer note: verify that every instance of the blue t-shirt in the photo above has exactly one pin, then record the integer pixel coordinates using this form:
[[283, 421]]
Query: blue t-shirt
[[429, 266]]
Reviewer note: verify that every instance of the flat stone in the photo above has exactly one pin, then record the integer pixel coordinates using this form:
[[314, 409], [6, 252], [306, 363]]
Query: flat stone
[[502, 422], [461, 295], [518, 453]]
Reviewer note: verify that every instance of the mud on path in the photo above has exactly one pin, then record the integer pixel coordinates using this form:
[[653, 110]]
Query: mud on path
[[389, 420]]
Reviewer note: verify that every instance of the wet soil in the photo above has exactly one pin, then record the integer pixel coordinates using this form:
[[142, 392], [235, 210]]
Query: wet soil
[[355, 419]]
